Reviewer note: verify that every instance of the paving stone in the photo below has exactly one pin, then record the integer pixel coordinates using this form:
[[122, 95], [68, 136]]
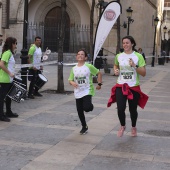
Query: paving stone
[[93, 162], [139, 145], [54, 119], [152, 115], [50, 166], [34, 135], [15, 158]]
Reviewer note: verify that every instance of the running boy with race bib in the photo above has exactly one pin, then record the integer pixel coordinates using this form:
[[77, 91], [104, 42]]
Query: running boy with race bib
[[81, 79]]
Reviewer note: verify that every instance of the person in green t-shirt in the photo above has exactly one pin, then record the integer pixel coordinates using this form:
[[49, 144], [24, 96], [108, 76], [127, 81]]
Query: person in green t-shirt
[[81, 79], [129, 66], [34, 57], [7, 65]]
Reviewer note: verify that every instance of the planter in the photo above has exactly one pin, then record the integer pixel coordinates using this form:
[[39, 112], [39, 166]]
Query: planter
[[161, 60]]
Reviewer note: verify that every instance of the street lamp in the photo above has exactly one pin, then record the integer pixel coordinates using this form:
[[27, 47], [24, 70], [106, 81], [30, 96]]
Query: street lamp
[[101, 4], [130, 20], [156, 20], [24, 51], [165, 29]]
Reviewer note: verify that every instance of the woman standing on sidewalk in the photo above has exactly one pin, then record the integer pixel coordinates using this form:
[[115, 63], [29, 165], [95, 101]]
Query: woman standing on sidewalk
[[81, 79], [7, 68], [129, 65]]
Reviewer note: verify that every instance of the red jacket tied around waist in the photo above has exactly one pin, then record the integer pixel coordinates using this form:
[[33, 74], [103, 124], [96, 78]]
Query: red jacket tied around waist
[[127, 92]]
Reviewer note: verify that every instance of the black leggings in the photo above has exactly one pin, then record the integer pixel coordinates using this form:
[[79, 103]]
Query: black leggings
[[4, 88], [84, 104], [121, 106]]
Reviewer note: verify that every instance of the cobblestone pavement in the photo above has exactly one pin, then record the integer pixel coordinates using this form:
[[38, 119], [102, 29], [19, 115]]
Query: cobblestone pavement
[[46, 134]]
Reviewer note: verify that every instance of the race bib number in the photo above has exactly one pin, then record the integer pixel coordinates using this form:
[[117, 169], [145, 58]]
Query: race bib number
[[127, 76], [81, 81]]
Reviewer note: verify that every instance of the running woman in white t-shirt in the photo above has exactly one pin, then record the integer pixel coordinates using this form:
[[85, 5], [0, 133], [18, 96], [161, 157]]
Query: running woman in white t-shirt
[[7, 69], [81, 79], [129, 65]]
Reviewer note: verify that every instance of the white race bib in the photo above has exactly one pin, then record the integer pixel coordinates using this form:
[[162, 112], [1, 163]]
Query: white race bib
[[81, 81], [127, 76]]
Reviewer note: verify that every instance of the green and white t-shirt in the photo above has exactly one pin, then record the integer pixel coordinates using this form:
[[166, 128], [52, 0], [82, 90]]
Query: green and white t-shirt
[[83, 77], [9, 60], [128, 74], [36, 54]]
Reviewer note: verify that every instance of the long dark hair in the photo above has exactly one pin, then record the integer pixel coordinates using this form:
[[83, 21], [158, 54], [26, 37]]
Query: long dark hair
[[131, 40], [8, 44]]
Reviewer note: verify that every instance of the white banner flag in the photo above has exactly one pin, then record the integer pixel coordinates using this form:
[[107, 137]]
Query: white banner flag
[[105, 24]]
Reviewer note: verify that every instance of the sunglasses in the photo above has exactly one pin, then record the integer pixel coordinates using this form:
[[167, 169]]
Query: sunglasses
[[16, 43]]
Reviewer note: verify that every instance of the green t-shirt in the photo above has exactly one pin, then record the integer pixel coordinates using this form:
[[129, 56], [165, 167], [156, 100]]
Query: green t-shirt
[[83, 77], [128, 74], [31, 52], [9, 60]]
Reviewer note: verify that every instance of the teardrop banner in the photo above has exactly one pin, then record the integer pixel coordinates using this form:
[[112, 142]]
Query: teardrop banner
[[105, 24]]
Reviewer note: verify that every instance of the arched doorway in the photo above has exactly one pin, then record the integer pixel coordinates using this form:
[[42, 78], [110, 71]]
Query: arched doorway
[[52, 29]]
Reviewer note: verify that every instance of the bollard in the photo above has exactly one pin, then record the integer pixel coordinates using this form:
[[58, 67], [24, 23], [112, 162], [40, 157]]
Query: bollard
[[153, 62]]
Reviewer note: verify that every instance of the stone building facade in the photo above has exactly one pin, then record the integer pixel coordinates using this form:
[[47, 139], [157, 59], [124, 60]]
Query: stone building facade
[[78, 12]]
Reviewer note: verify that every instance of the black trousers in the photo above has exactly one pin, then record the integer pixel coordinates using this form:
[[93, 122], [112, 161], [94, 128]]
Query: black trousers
[[32, 88], [4, 89], [121, 106], [84, 104]]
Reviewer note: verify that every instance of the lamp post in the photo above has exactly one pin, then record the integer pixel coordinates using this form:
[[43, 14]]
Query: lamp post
[[98, 61], [101, 4], [24, 51], [165, 29], [129, 16], [156, 20]]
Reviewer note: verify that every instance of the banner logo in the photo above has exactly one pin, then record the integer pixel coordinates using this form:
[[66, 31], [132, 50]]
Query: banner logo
[[109, 15]]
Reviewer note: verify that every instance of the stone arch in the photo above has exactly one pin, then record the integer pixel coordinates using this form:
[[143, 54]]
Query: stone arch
[[46, 6], [89, 2], [52, 30], [37, 11]]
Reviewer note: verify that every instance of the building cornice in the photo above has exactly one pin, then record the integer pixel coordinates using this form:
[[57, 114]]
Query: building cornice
[[152, 4]]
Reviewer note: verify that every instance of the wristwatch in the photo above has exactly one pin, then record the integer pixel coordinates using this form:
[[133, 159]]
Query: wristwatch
[[100, 84], [136, 66]]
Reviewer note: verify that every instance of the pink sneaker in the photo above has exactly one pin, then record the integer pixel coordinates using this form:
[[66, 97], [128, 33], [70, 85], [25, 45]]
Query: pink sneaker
[[121, 131], [134, 132]]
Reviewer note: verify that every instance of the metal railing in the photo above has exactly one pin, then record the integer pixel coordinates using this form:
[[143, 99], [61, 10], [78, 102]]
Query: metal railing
[[76, 37]]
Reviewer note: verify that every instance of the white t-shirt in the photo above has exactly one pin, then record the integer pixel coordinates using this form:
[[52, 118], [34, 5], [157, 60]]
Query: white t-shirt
[[83, 77], [128, 74], [36, 54]]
